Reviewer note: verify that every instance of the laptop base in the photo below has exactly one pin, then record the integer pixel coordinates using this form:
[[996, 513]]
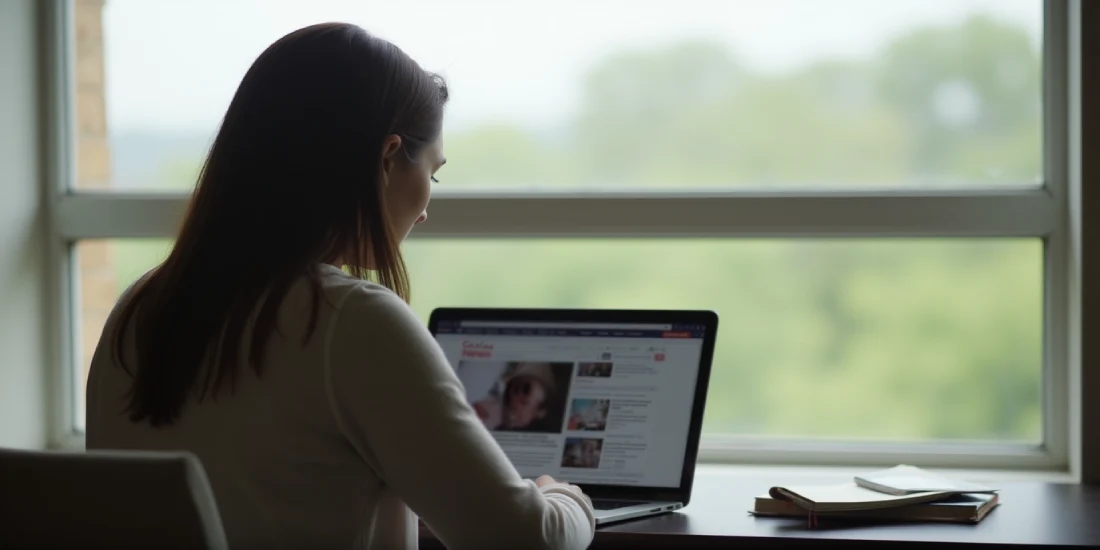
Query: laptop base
[[636, 511]]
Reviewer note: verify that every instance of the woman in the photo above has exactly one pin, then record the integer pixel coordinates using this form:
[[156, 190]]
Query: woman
[[324, 413]]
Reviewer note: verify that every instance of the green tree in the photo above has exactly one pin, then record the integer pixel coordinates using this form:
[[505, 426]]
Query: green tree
[[692, 116], [504, 155], [970, 93]]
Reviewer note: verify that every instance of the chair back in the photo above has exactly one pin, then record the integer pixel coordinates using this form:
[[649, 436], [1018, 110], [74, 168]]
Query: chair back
[[106, 499]]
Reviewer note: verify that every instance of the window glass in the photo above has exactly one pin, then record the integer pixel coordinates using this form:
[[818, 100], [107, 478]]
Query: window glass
[[612, 94], [879, 338]]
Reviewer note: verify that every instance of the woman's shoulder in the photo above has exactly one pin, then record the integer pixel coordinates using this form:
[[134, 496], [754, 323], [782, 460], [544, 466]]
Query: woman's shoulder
[[369, 316], [352, 296]]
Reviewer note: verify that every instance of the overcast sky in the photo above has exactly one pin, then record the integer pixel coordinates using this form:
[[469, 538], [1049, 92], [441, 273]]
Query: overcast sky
[[172, 66]]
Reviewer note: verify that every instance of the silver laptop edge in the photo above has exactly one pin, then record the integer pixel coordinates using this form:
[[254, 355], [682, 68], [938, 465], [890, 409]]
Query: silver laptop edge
[[639, 510]]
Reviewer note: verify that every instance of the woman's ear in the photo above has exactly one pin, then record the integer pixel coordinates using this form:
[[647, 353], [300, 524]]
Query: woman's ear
[[390, 147]]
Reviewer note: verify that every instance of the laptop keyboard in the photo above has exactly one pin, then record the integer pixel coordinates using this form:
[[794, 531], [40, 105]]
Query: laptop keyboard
[[613, 504]]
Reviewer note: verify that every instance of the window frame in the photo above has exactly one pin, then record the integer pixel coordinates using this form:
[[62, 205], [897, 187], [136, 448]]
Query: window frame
[[1026, 211]]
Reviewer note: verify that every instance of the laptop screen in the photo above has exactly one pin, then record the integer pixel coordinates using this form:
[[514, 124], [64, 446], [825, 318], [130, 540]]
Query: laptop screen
[[587, 403]]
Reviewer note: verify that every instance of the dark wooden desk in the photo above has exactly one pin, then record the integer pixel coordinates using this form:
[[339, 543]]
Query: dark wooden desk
[[1030, 514]]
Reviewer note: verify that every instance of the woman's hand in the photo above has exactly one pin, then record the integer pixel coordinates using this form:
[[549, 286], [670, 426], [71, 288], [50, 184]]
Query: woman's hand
[[545, 480]]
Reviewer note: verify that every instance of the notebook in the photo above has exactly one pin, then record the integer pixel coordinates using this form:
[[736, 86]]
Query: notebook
[[906, 480], [965, 508], [848, 497]]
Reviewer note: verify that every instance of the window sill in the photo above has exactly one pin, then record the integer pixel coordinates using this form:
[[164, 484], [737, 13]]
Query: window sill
[[841, 474], [70, 442]]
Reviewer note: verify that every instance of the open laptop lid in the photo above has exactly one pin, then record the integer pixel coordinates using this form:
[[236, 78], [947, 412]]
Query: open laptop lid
[[611, 400]]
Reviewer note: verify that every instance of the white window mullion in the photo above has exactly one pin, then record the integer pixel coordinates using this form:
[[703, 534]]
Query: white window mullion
[[1017, 213], [1056, 258], [56, 62]]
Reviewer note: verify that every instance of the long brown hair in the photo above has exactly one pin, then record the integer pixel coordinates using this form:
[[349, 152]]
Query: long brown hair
[[291, 181]]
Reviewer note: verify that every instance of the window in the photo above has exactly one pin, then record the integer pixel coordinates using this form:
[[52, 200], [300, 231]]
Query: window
[[877, 216]]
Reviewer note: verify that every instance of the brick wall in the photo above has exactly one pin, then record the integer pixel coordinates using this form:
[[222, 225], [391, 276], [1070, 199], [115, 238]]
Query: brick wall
[[95, 269]]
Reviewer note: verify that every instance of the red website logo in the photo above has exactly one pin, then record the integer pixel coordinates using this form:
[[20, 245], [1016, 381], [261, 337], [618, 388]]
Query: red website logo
[[658, 357], [476, 349]]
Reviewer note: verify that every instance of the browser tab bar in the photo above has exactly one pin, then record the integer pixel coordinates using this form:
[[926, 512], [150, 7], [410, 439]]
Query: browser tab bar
[[569, 326]]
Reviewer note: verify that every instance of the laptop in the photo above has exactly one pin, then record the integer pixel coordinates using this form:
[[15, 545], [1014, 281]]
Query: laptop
[[609, 400]]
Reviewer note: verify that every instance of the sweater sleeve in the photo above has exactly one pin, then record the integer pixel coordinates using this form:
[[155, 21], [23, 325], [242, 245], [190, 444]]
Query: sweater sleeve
[[401, 405]]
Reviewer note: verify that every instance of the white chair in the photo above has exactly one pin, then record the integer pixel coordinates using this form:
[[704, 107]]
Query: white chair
[[106, 499]]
